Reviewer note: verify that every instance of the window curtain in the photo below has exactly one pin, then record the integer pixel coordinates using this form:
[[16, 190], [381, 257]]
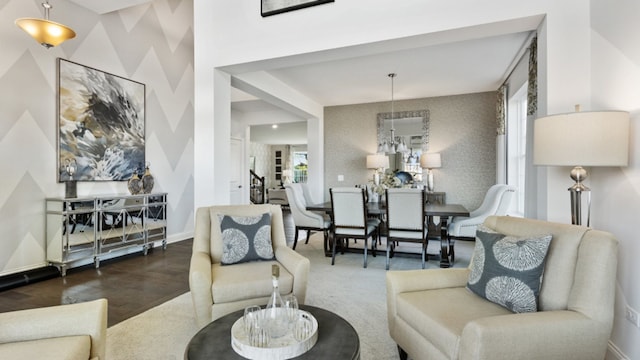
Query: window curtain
[[501, 139], [531, 172], [532, 92]]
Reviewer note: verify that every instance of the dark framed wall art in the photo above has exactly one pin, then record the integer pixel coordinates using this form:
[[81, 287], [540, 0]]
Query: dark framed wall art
[[101, 124], [273, 7]]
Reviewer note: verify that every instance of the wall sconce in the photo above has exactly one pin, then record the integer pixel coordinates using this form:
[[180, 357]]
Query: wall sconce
[[430, 161], [599, 138]]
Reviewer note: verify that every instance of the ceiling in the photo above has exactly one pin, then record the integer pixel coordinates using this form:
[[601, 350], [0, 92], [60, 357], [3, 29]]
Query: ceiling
[[106, 6], [445, 69]]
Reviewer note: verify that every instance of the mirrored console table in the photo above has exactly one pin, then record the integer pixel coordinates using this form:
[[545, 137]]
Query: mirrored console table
[[88, 229]]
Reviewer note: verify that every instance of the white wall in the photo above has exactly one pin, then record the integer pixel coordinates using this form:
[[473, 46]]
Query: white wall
[[571, 70], [615, 75]]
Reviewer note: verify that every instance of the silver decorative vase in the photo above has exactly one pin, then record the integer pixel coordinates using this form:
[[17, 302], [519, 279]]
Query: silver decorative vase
[[147, 181], [135, 184]]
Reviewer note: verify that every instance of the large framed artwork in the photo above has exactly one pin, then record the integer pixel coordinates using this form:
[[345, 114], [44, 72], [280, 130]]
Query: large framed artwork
[[101, 124], [272, 7]]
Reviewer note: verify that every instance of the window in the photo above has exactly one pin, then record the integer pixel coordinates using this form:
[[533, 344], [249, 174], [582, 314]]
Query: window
[[516, 146], [300, 166]]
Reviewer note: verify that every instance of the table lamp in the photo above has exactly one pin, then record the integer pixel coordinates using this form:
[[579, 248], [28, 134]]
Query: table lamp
[[430, 161], [379, 162], [598, 138]]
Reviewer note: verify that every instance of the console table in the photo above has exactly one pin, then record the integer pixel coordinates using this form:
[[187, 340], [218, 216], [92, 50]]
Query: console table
[[87, 229]]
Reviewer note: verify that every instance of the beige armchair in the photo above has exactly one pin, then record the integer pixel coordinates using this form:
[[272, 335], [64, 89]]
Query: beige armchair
[[74, 331], [432, 315], [217, 289]]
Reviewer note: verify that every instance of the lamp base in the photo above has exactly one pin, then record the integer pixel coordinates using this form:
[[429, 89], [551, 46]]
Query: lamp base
[[430, 185], [579, 174]]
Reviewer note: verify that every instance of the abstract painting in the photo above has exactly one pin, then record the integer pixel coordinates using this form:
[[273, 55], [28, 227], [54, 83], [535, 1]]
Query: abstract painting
[[101, 124], [272, 7]]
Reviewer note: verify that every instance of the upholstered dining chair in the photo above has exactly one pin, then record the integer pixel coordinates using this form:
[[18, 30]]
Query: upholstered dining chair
[[496, 202], [350, 219], [304, 219], [405, 219], [220, 280]]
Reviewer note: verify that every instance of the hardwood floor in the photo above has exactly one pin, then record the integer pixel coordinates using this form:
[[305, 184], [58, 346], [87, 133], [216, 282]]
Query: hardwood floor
[[132, 284]]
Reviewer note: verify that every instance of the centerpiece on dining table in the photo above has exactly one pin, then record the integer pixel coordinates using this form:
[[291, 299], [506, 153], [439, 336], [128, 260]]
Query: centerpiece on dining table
[[389, 179]]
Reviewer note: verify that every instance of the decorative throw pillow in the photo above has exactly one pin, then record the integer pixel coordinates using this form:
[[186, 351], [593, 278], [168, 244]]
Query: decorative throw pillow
[[507, 270], [246, 238]]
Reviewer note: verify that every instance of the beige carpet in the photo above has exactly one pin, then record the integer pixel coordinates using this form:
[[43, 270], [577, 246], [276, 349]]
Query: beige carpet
[[349, 290]]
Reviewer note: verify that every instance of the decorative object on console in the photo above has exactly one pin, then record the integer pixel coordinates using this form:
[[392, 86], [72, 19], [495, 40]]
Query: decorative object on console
[[47, 33], [393, 143], [147, 180], [70, 188], [598, 138], [287, 174], [430, 161], [101, 122], [379, 162], [273, 7], [135, 184]]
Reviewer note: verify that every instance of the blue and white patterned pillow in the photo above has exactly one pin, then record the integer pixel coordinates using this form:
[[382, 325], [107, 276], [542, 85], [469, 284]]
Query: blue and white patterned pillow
[[507, 270], [246, 238]]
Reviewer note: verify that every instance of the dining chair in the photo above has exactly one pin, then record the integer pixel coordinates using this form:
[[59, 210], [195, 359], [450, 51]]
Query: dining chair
[[350, 219], [304, 219], [405, 219], [497, 201]]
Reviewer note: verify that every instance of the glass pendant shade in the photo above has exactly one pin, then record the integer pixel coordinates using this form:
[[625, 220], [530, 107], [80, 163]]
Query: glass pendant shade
[[47, 33]]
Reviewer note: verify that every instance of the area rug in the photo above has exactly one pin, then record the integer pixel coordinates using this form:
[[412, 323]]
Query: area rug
[[355, 293]]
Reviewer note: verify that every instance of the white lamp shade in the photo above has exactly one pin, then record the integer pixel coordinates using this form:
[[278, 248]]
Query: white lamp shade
[[430, 161], [377, 161], [599, 138]]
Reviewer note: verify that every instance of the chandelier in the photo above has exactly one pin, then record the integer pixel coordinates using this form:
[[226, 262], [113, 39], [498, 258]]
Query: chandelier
[[44, 31], [392, 143]]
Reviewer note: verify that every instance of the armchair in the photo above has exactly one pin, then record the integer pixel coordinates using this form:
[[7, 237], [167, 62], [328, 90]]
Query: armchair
[[217, 289], [432, 315], [74, 331]]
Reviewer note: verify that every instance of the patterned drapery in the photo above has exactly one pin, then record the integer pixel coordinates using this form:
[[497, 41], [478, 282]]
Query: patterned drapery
[[501, 109], [532, 91]]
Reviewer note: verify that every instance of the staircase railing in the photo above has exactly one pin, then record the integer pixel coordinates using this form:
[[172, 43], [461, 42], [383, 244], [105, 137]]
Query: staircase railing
[[256, 192]]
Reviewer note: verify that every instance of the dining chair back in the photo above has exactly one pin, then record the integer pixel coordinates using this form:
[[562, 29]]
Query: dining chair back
[[350, 219], [304, 219], [496, 202], [406, 219]]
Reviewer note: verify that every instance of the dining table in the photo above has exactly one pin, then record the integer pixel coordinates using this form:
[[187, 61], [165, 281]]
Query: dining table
[[437, 217]]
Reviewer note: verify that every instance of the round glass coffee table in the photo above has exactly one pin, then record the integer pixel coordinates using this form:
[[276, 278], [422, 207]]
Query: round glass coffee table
[[337, 339]]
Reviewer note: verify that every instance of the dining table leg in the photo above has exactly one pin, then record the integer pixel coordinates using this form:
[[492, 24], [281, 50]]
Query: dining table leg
[[438, 225]]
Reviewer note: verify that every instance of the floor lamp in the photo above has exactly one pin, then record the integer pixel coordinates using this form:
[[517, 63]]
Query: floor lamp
[[598, 138]]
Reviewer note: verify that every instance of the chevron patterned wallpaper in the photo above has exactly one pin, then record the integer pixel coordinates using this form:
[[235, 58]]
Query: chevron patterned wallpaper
[[150, 43]]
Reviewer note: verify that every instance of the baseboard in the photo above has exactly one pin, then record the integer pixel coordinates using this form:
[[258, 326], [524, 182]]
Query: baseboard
[[614, 353], [28, 277]]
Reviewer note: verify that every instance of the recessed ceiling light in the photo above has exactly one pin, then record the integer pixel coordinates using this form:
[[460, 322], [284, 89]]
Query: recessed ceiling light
[[274, 126]]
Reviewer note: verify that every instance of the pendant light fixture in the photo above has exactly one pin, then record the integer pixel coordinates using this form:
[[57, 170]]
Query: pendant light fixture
[[393, 144], [44, 31]]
